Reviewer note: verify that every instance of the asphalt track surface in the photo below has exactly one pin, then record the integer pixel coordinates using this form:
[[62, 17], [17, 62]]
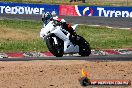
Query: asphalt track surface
[[104, 21], [114, 22], [90, 58]]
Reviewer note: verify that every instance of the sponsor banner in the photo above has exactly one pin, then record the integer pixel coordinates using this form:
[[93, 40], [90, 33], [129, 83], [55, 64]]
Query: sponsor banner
[[101, 11], [67, 10], [21, 8]]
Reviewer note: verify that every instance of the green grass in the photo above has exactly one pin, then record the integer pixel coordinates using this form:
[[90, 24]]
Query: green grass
[[18, 46], [102, 37], [98, 37], [21, 25], [25, 28], [88, 2]]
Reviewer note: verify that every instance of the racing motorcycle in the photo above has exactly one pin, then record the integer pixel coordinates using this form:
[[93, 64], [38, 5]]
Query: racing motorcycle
[[59, 43]]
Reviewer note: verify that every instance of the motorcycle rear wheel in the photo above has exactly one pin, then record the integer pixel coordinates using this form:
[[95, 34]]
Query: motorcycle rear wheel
[[56, 50], [84, 47]]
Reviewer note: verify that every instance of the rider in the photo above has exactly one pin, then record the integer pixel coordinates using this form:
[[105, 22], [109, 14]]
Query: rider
[[47, 17]]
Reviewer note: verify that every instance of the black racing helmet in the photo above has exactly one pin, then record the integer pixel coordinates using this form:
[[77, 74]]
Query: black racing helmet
[[46, 16]]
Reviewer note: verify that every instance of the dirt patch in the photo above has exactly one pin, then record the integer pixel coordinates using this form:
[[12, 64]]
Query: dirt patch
[[12, 34], [60, 74]]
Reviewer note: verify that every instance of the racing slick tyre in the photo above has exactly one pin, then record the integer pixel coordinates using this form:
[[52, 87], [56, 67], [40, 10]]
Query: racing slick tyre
[[84, 47], [55, 49]]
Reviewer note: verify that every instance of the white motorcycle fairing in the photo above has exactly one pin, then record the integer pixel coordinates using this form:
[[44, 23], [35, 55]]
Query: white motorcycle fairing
[[69, 47]]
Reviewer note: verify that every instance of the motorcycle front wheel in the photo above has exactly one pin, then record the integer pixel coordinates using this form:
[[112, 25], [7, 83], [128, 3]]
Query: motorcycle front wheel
[[55, 49]]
